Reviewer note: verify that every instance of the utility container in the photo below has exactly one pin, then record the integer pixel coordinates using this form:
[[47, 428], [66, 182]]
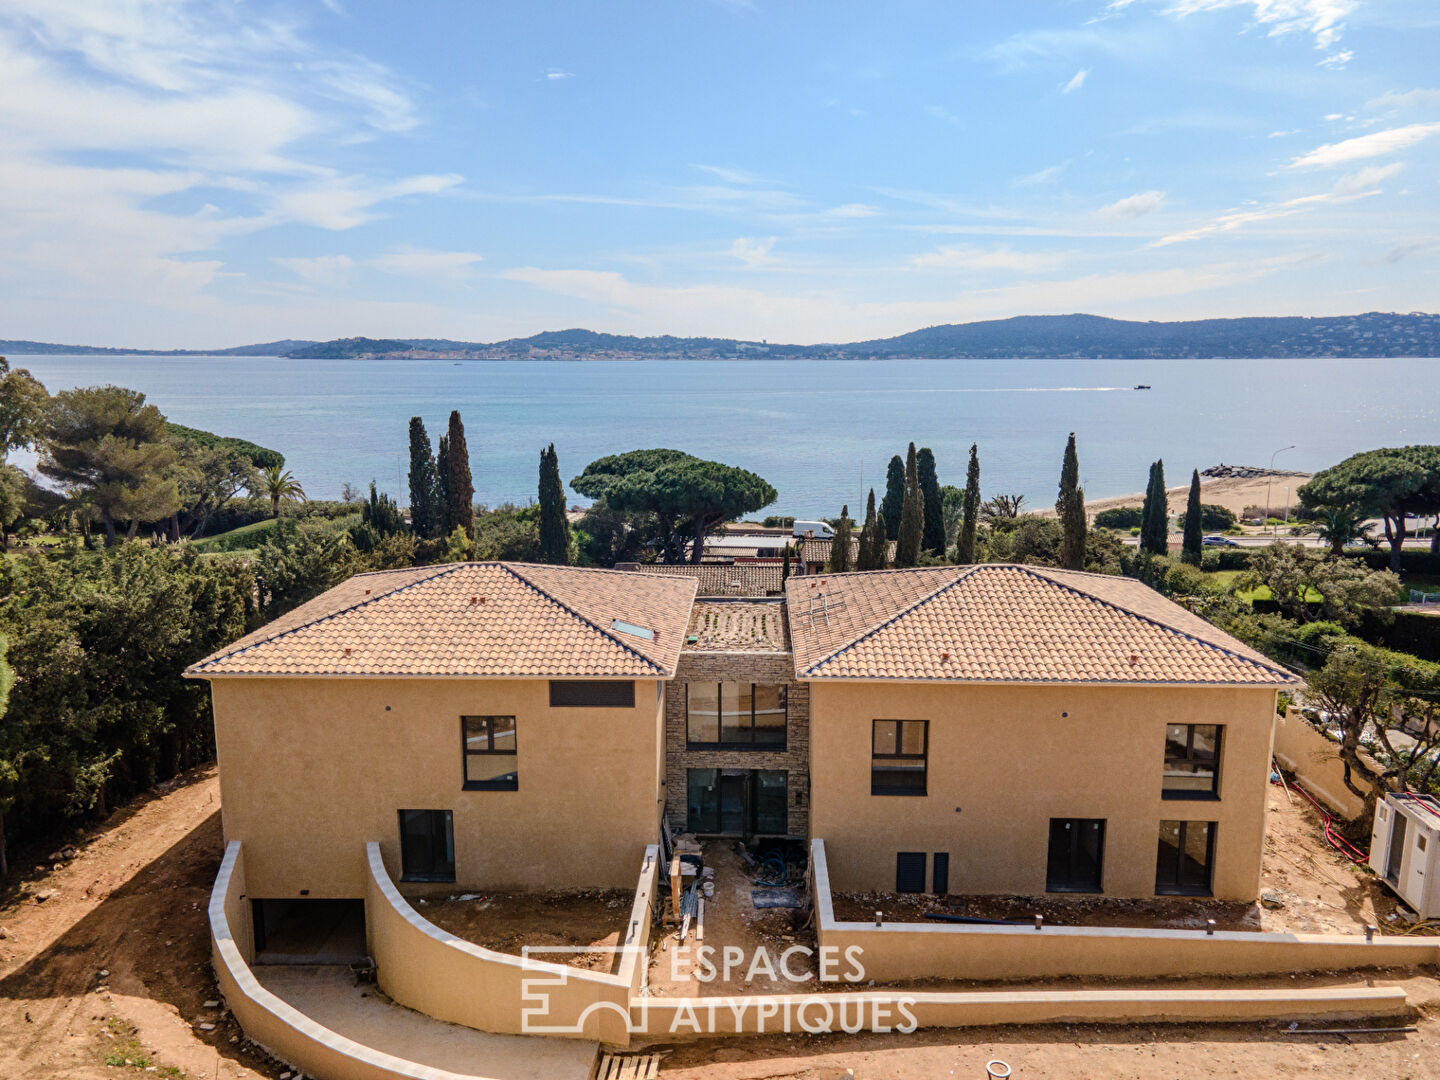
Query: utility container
[[1404, 847]]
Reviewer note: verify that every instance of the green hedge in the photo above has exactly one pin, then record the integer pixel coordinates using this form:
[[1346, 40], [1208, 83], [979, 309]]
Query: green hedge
[[1409, 632], [1121, 517], [1412, 560]]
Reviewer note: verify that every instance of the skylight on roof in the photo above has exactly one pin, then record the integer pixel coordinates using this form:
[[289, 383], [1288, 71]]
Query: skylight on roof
[[643, 632]]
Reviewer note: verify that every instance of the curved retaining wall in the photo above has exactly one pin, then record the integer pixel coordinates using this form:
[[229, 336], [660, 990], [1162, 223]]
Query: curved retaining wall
[[907, 951], [280, 1028], [434, 972]]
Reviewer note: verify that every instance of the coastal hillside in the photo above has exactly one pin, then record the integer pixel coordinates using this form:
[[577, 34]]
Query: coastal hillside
[[1374, 334]]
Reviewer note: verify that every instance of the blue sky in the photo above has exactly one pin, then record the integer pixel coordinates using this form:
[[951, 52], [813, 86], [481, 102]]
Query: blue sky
[[203, 174]]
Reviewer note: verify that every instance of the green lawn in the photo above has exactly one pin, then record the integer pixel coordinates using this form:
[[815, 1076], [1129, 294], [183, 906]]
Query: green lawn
[[247, 536], [1226, 578]]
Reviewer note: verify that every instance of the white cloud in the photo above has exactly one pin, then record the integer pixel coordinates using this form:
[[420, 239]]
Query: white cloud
[[1283, 134], [1076, 81], [325, 271], [730, 176], [1401, 252], [1366, 146], [1133, 206], [1349, 188], [1337, 60], [940, 112], [441, 267], [1408, 99], [753, 251], [1324, 19], [555, 74], [1040, 176], [853, 210], [971, 258], [622, 305]]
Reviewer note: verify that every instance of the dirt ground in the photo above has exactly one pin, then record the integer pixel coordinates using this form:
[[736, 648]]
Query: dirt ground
[[115, 961], [731, 919], [1306, 887], [507, 922]]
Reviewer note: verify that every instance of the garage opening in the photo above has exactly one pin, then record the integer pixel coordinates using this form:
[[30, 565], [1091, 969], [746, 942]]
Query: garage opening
[[309, 931]]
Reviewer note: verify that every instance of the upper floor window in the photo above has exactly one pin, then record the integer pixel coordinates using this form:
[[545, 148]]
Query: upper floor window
[[735, 714], [592, 694], [1192, 761], [898, 753], [488, 745]]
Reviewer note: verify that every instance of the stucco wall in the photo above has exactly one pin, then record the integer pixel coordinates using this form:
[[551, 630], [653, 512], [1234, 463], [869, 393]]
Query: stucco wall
[[1004, 760], [1315, 761], [773, 669], [904, 951], [311, 769]]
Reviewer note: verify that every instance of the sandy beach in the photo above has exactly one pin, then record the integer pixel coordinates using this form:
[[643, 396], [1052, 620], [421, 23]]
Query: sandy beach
[[1233, 493]]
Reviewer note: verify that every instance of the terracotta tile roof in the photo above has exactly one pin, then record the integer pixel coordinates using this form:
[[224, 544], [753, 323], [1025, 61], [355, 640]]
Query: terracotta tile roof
[[489, 620], [818, 551], [721, 579], [737, 626], [1002, 623]]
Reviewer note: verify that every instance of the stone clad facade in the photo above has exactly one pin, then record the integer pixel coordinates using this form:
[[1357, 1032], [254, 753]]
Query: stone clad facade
[[773, 668]]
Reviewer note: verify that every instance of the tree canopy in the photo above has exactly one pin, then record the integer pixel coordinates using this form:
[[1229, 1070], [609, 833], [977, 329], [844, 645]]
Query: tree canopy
[[1391, 483], [22, 409], [689, 496], [1310, 585]]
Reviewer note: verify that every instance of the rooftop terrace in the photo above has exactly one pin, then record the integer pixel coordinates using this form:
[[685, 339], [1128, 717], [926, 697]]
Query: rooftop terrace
[[737, 626]]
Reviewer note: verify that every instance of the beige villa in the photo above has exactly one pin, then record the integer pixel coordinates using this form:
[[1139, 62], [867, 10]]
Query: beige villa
[[986, 729]]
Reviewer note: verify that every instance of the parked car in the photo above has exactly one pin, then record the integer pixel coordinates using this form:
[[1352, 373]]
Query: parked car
[[1218, 541], [821, 529]]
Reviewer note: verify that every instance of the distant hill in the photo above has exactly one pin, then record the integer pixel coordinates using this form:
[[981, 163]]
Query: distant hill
[[269, 348], [1372, 334], [1026, 337]]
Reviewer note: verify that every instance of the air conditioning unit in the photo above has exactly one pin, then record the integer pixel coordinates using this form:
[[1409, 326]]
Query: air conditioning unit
[[1404, 847]]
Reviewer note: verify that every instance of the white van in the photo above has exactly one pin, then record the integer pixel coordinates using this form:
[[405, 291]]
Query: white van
[[821, 529]]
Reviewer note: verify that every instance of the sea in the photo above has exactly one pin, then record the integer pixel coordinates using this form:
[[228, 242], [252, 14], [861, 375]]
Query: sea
[[820, 431]]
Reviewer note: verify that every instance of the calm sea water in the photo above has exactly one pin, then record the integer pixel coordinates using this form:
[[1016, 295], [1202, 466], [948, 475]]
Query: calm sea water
[[808, 427]]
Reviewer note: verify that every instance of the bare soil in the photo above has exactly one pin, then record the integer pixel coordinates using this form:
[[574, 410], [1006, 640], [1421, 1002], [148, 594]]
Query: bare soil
[[114, 962], [1234, 493], [731, 919], [509, 922]]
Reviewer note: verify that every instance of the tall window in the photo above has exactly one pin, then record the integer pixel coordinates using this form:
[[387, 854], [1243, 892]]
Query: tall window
[[898, 751], [735, 714], [1186, 858], [1192, 761], [488, 745], [1077, 855], [427, 845]]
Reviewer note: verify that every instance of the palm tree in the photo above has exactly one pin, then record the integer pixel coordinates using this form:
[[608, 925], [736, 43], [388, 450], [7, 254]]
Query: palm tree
[[279, 483], [1339, 526]]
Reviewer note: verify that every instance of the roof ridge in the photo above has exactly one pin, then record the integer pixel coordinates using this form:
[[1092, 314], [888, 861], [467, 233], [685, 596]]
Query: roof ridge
[[1038, 572], [444, 571], [967, 572], [509, 568]]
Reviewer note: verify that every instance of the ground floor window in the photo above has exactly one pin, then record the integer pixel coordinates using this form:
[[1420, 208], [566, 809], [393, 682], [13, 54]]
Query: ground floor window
[[737, 801], [910, 871], [427, 845], [1077, 855], [1186, 858]]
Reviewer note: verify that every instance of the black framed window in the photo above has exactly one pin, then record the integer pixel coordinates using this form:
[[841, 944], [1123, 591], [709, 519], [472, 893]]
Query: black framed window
[[427, 845], [744, 715], [940, 872], [1077, 855], [488, 748], [772, 815], [591, 694], [1186, 858], [898, 754], [1192, 761]]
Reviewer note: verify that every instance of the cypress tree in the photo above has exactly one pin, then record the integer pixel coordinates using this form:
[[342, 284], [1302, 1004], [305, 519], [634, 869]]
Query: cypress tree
[[785, 569], [554, 527], [912, 515], [1070, 508], [1155, 514], [444, 525], [970, 518], [932, 535], [872, 527], [460, 494], [840, 544], [894, 500], [1194, 534], [424, 483]]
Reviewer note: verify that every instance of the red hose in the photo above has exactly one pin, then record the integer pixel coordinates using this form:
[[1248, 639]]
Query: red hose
[[1338, 842]]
